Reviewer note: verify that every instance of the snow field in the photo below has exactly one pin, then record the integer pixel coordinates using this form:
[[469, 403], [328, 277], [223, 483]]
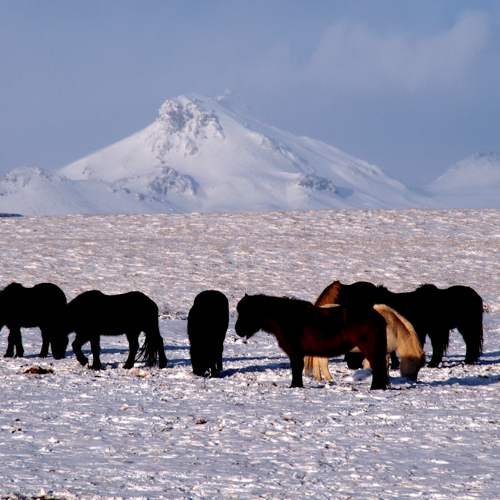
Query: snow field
[[153, 433]]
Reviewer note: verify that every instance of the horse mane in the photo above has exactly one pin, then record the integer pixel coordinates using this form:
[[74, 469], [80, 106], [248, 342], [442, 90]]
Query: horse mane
[[406, 336], [14, 285], [330, 294], [427, 287], [282, 302]]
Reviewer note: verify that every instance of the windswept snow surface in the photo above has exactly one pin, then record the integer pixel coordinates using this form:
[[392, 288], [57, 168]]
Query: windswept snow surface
[[151, 433]]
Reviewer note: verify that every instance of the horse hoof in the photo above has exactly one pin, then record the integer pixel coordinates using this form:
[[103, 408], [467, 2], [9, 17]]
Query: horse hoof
[[96, 367], [127, 366], [8, 355], [162, 364], [378, 387], [471, 361], [433, 364]]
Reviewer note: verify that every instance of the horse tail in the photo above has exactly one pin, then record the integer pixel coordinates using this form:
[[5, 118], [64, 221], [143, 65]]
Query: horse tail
[[308, 365], [152, 351], [401, 332], [472, 330]]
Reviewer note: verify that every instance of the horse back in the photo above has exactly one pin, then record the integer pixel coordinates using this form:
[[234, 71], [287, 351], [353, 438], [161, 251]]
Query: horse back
[[461, 304], [335, 331], [112, 314], [32, 306], [210, 312]]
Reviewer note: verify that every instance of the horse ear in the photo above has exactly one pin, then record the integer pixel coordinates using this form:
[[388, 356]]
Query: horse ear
[[246, 294]]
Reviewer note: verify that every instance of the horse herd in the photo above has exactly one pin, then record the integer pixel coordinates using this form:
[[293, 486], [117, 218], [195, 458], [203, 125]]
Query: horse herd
[[369, 324]]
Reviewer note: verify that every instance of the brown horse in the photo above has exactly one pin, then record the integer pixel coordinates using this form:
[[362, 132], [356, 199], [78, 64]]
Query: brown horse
[[431, 310], [303, 329], [317, 366], [401, 339]]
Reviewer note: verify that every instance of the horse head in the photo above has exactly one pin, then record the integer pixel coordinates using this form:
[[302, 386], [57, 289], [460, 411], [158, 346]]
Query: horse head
[[59, 339], [410, 366], [248, 322]]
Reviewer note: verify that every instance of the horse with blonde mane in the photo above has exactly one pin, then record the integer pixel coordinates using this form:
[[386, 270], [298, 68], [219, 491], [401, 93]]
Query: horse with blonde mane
[[303, 329], [401, 339], [431, 310]]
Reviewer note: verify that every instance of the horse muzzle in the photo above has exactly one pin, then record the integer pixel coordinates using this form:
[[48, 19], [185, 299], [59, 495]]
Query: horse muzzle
[[242, 330]]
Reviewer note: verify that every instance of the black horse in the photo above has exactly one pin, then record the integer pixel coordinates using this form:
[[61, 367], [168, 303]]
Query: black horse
[[207, 324], [92, 314], [40, 306], [303, 329], [431, 310]]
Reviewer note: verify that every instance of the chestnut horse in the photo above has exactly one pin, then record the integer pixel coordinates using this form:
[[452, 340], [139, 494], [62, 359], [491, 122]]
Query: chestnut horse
[[431, 310], [303, 329], [317, 366], [401, 339]]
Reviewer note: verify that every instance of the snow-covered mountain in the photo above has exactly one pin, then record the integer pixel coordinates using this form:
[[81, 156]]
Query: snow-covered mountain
[[473, 182], [201, 155]]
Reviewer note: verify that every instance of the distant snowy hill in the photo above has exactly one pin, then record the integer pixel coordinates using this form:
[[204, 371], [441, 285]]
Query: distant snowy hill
[[200, 155], [33, 191], [473, 182]]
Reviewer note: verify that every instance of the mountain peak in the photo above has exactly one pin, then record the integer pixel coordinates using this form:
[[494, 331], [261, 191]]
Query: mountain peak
[[183, 123]]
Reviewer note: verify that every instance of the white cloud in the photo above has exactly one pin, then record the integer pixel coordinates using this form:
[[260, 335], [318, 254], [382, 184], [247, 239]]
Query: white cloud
[[355, 57]]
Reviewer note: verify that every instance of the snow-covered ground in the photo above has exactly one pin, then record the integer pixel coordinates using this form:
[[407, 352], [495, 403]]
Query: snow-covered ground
[[156, 433]]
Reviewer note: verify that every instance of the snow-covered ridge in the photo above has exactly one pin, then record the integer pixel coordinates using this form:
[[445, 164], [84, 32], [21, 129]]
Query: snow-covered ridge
[[202, 155]]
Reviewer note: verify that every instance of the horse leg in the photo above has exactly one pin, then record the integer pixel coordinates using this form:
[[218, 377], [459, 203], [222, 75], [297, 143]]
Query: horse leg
[[473, 341], [438, 347], [95, 345], [394, 361], [354, 360], [44, 351], [297, 365], [162, 359], [219, 359], [375, 351], [15, 342], [80, 339], [323, 368], [316, 368], [9, 353], [216, 362], [133, 347], [308, 365]]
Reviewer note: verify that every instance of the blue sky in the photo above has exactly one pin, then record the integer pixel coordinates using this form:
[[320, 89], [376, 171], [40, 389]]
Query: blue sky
[[412, 86]]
